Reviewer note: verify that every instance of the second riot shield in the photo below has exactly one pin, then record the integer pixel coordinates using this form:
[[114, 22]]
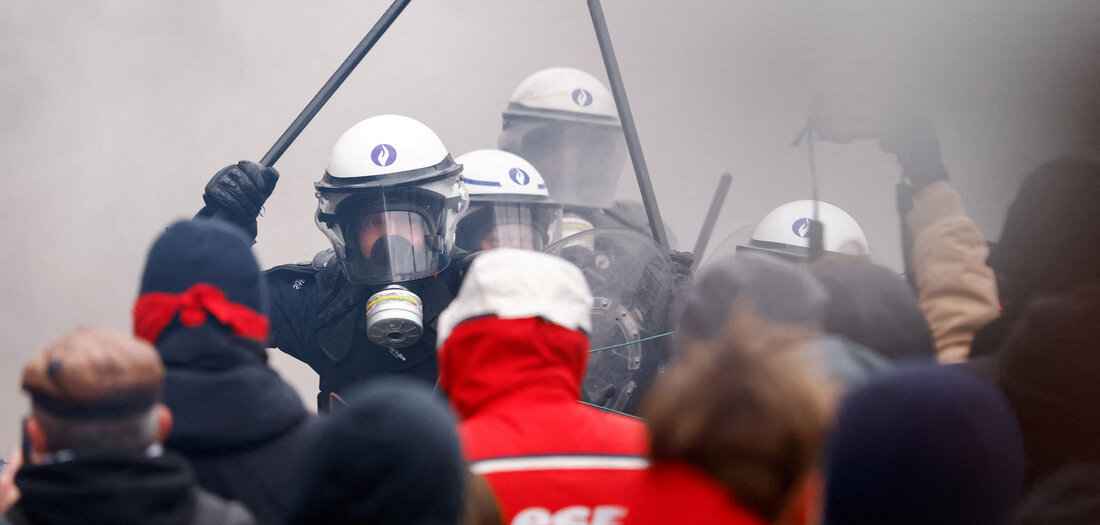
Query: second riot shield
[[632, 285]]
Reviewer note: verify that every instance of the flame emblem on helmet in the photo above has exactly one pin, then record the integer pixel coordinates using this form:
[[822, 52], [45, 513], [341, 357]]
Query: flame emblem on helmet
[[801, 228], [383, 155], [582, 97], [519, 176]]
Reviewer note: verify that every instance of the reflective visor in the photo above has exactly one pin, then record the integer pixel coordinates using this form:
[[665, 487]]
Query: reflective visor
[[522, 225]]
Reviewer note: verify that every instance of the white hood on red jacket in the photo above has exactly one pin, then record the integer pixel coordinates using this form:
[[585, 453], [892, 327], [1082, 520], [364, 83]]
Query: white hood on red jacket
[[518, 284]]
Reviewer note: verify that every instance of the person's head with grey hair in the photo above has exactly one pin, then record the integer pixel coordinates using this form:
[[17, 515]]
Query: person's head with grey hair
[[95, 390]]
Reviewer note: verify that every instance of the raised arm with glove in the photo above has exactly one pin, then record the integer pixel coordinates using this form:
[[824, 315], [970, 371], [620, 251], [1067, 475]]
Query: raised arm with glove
[[237, 193], [945, 251]]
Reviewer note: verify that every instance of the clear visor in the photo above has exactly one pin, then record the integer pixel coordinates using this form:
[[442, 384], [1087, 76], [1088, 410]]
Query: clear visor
[[527, 226], [581, 162]]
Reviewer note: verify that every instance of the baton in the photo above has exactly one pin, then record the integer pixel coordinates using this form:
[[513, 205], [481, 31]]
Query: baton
[[627, 122], [712, 218], [333, 83]]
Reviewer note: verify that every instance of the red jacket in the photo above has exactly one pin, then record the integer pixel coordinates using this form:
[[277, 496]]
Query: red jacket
[[549, 458], [674, 493]]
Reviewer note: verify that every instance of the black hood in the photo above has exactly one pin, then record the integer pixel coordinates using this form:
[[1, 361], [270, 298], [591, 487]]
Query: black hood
[[109, 488], [222, 394]]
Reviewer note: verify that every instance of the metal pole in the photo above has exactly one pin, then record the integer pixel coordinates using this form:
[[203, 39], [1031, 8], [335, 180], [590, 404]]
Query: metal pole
[[712, 218], [333, 83], [627, 121]]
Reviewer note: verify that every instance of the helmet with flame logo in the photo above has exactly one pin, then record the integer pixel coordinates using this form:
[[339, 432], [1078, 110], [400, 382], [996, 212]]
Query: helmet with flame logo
[[390, 199], [785, 231]]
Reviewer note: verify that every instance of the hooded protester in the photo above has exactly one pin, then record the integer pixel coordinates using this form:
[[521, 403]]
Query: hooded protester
[[871, 305], [390, 455], [1050, 242], [202, 303], [513, 350], [925, 444], [763, 302], [1050, 372], [736, 434], [94, 438]]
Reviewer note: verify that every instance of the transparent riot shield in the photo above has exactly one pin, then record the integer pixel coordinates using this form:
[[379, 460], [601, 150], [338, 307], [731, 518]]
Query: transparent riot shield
[[632, 286]]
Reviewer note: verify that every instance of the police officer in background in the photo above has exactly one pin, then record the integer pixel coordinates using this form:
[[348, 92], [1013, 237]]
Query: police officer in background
[[785, 232], [564, 122], [510, 206], [389, 203]]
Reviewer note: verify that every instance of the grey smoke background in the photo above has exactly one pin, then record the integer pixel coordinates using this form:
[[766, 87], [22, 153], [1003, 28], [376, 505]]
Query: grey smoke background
[[116, 112]]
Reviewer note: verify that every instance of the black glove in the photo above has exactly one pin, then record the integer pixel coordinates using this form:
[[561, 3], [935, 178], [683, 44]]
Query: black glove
[[238, 191], [681, 264]]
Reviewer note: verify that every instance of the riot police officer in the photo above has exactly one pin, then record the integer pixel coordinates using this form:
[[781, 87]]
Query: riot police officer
[[510, 206], [785, 232], [564, 122], [389, 202]]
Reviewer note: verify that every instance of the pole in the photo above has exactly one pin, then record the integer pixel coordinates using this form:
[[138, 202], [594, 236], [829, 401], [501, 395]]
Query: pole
[[712, 218], [633, 145], [333, 83]]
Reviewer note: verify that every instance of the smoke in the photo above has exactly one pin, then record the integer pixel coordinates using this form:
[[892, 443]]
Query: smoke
[[117, 112]]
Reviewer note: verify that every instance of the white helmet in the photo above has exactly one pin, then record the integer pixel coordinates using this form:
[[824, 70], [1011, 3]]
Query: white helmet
[[564, 122], [509, 204], [389, 200], [785, 231]]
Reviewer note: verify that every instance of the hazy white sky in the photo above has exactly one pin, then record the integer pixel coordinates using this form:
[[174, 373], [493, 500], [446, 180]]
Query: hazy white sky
[[116, 113]]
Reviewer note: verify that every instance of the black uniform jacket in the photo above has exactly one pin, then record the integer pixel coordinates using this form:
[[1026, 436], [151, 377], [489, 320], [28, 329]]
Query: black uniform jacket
[[318, 317]]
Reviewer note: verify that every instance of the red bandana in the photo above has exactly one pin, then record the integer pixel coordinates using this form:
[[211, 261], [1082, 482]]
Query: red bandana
[[154, 311]]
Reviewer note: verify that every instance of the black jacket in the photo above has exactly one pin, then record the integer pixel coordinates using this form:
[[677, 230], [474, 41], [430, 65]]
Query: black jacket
[[240, 425], [119, 489], [319, 318]]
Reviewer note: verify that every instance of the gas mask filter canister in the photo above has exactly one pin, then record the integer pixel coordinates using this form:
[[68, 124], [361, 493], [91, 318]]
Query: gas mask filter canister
[[395, 317]]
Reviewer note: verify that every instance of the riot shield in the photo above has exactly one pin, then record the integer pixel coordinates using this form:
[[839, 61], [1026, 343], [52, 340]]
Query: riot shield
[[632, 285]]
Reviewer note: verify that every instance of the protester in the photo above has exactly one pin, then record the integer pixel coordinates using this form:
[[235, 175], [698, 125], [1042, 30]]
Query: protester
[[390, 455], [95, 430], [736, 434], [757, 301], [1050, 241], [870, 305], [202, 303], [1049, 370], [513, 349], [921, 445]]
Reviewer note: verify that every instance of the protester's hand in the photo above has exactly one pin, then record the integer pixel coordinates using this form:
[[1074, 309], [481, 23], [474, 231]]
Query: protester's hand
[[9, 493], [238, 191]]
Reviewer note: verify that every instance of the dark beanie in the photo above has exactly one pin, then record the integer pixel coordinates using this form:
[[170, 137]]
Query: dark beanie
[[924, 444], [779, 292], [1051, 236], [390, 456], [1050, 372], [871, 305], [207, 251]]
